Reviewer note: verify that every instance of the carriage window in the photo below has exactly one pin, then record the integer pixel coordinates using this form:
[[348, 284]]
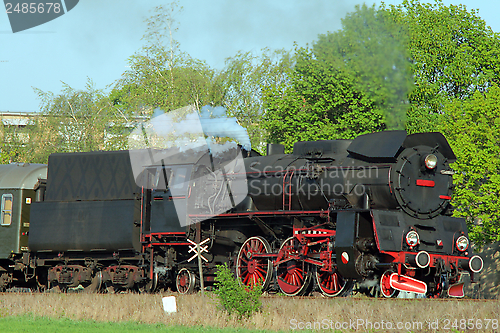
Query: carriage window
[[6, 218]]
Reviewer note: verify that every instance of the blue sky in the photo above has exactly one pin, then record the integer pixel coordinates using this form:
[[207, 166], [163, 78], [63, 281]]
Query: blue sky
[[96, 38]]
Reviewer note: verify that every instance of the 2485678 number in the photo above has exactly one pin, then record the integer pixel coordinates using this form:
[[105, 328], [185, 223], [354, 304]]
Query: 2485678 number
[[33, 8], [470, 324]]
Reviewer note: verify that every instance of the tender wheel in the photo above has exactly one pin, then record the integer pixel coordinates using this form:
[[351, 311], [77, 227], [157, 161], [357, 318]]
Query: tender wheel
[[96, 284], [249, 269], [185, 281], [385, 287], [5, 280], [333, 284], [149, 287], [55, 287], [294, 276]]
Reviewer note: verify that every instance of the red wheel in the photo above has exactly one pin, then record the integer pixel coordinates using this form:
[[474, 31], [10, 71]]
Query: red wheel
[[185, 282], [249, 269], [333, 284], [385, 286], [294, 275]]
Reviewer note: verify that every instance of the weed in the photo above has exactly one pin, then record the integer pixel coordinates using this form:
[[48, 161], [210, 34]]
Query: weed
[[234, 297]]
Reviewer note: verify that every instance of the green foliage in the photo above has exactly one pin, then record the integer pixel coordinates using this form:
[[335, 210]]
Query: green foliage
[[162, 76], [73, 121], [7, 155], [233, 296], [473, 129], [245, 79], [456, 65], [15, 140], [151, 84], [371, 49], [318, 102], [453, 52], [351, 82]]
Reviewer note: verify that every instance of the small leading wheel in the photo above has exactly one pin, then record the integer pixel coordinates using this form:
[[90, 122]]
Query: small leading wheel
[[333, 284], [294, 275], [249, 269], [385, 286], [185, 281]]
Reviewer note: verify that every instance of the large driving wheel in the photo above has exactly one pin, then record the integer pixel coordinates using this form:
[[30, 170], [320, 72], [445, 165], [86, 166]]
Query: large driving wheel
[[294, 275], [185, 281], [251, 270], [333, 284]]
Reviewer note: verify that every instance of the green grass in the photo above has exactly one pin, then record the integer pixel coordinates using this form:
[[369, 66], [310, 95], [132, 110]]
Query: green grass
[[32, 324]]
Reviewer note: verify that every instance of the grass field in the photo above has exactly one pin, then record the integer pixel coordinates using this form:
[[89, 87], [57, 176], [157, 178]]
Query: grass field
[[130, 312], [29, 323]]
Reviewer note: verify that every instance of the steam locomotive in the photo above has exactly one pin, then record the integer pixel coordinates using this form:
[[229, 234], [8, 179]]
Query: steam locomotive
[[373, 211]]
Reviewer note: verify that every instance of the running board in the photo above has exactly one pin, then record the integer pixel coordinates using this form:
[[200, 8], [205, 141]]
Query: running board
[[406, 283]]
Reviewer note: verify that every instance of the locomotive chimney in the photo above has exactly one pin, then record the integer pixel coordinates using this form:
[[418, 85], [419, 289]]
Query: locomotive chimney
[[275, 148]]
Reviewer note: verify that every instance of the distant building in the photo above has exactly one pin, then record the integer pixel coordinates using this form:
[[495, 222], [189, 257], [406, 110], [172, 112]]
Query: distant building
[[17, 122], [19, 119]]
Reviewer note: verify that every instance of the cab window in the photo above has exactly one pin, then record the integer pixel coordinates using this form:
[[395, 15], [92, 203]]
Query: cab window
[[6, 218], [179, 180]]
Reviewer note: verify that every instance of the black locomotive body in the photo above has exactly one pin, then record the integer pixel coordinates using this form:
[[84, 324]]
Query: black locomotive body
[[374, 210]]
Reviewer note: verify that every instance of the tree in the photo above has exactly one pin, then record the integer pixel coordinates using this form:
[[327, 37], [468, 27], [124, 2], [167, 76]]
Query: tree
[[5, 155], [472, 127], [73, 121], [371, 48], [454, 54], [14, 139], [161, 76], [245, 79], [319, 102], [351, 82]]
